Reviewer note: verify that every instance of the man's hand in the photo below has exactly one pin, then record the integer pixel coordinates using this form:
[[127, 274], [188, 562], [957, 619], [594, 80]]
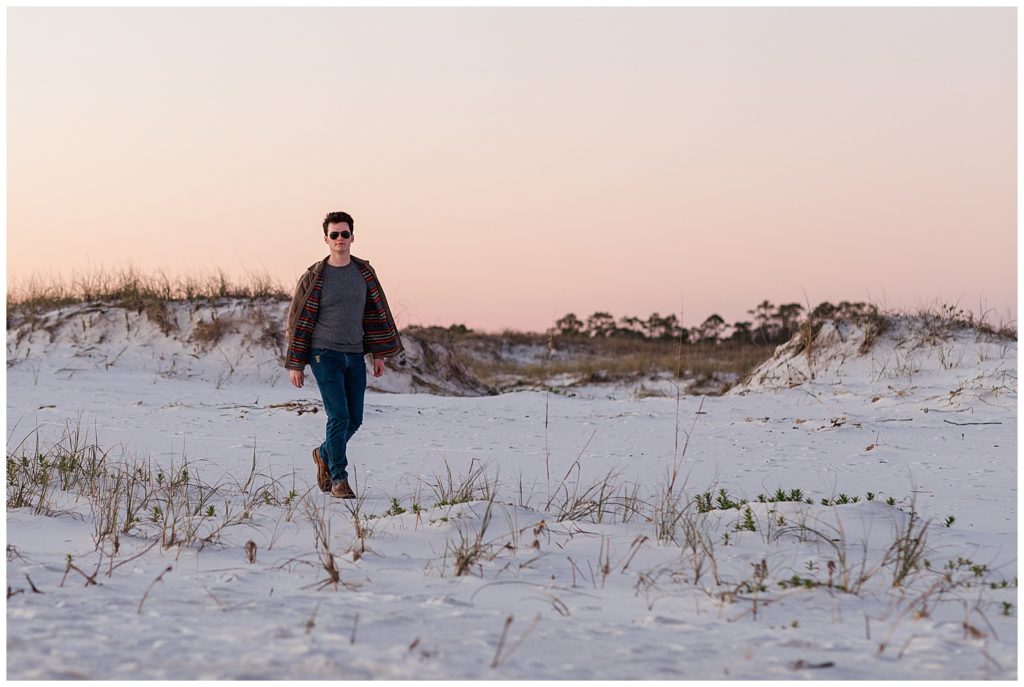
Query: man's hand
[[378, 367], [297, 378]]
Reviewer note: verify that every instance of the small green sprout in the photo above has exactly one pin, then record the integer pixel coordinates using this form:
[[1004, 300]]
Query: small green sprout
[[748, 521], [396, 508], [704, 502]]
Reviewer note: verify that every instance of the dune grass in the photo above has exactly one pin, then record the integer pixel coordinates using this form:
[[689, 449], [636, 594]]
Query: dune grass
[[711, 366], [131, 288], [593, 360]]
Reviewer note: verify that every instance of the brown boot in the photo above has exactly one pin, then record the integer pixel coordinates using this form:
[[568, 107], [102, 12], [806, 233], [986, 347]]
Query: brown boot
[[323, 475], [342, 490]]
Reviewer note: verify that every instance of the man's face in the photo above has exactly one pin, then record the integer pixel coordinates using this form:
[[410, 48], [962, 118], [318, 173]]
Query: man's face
[[339, 243]]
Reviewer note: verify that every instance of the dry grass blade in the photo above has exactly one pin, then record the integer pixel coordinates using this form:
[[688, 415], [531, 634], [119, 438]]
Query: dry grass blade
[[500, 658], [575, 466], [469, 549], [159, 578], [318, 518], [451, 490]]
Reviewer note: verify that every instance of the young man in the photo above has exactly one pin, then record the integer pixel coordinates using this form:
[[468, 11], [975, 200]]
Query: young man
[[337, 315]]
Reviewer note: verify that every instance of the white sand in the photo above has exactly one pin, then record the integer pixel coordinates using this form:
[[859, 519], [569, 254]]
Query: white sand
[[930, 423]]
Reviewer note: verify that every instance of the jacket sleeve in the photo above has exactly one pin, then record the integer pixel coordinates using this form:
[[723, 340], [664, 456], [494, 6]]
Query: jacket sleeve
[[294, 308], [382, 339]]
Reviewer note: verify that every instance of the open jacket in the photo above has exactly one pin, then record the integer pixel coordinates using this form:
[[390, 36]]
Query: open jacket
[[380, 335]]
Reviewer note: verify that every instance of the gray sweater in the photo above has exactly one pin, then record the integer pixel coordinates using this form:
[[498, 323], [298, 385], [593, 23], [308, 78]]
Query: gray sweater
[[339, 325]]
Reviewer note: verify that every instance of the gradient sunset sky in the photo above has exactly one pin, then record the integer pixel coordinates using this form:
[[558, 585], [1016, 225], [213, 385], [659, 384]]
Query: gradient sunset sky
[[506, 166]]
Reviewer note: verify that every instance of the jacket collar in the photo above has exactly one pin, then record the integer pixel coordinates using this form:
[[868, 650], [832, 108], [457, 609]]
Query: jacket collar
[[318, 267]]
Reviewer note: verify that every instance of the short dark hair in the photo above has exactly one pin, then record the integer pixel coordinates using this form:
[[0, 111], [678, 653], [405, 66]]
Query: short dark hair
[[337, 218]]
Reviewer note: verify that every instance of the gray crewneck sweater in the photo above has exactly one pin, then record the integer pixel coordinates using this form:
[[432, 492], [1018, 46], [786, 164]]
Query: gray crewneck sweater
[[339, 325]]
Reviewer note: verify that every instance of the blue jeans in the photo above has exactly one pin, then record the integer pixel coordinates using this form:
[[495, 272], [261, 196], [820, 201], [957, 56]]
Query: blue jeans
[[342, 381]]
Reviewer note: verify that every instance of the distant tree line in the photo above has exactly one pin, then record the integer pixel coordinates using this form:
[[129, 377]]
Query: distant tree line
[[769, 324]]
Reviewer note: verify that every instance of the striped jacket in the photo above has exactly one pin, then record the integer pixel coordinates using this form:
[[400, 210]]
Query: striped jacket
[[380, 334]]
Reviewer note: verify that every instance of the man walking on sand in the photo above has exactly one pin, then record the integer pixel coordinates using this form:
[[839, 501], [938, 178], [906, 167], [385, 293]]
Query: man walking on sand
[[339, 314]]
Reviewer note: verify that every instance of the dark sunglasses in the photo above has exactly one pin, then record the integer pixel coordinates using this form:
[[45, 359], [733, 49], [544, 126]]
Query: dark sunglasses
[[343, 234]]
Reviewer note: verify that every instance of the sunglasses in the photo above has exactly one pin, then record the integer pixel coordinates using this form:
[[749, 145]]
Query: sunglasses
[[343, 234]]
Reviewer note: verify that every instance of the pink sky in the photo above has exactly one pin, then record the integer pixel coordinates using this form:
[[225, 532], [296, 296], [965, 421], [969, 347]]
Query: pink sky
[[506, 166]]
